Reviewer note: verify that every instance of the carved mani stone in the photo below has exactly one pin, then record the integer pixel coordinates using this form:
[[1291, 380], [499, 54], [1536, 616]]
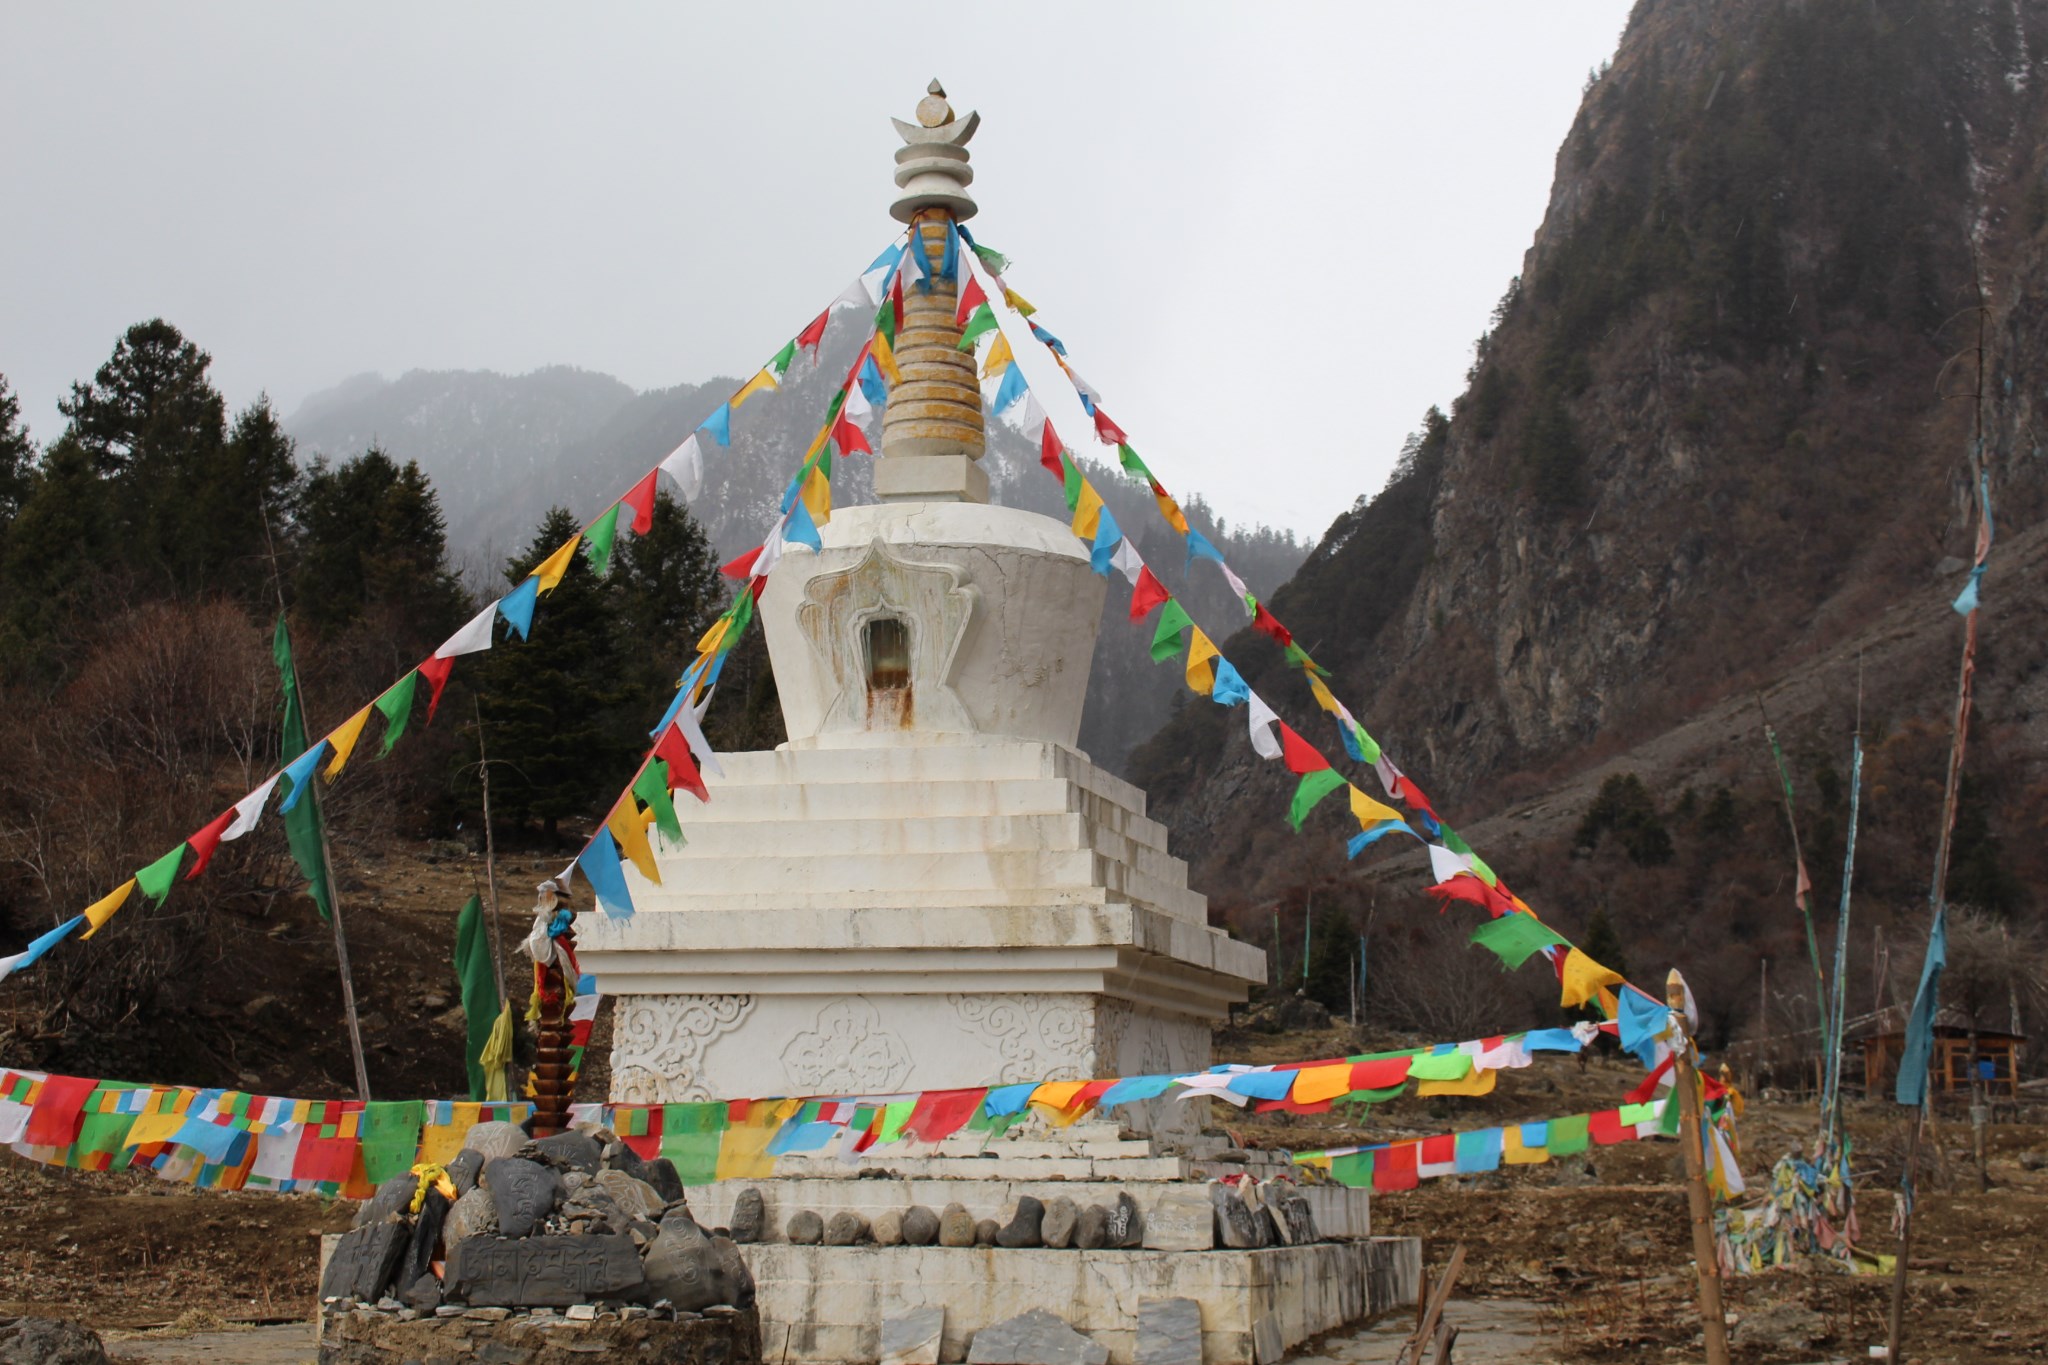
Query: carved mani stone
[[729, 1273], [393, 1199], [363, 1261], [1126, 1228], [1235, 1225], [683, 1266], [463, 1169], [571, 1151], [544, 1272], [495, 1139], [749, 1216], [845, 1228], [524, 1193], [661, 1173]]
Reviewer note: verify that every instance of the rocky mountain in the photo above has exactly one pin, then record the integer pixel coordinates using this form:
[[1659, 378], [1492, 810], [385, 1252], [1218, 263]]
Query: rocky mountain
[[1718, 440], [502, 449]]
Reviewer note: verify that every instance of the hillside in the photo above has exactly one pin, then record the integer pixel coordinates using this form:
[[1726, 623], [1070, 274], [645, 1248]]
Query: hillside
[[1716, 441], [502, 449]]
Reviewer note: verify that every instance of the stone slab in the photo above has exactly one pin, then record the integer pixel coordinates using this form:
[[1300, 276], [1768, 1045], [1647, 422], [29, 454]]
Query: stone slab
[[362, 1262], [1034, 1337], [553, 1272], [1181, 1218], [1169, 1332], [912, 1338]]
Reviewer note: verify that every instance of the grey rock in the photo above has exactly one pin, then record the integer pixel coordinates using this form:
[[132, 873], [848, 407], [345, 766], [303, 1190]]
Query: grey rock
[[682, 1265], [363, 1261], [1297, 1221], [450, 1310], [845, 1228], [1182, 1218], [634, 1196], [912, 1338], [805, 1228], [920, 1226], [1025, 1228], [1056, 1228], [464, 1168], [552, 1271], [473, 1215], [1268, 1347], [570, 1151], [888, 1228], [572, 1181], [730, 1276], [1126, 1226], [2033, 1161], [425, 1294], [391, 1201], [494, 1140], [523, 1192], [749, 1216], [1034, 1338], [661, 1173], [488, 1314], [420, 1252], [1091, 1228], [1235, 1226], [387, 1304], [956, 1227], [49, 1341], [1169, 1332], [986, 1232]]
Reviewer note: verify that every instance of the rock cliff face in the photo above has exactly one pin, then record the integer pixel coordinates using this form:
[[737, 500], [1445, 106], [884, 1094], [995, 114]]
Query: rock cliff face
[[1721, 424]]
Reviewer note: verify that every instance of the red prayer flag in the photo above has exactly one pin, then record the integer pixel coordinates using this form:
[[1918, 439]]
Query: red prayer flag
[[1146, 594], [1049, 451], [1379, 1074], [1605, 1127], [1266, 623], [1301, 756], [1109, 431], [810, 336], [674, 750], [647, 1145], [970, 298], [1440, 1150], [941, 1113], [849, 437], [1292, 1107], [641, 500], [1405, 788], [1467, 887], [1393, 1168], [59, 1110], [207, 840], [1641, 1094], [743, 567], [436, 672]]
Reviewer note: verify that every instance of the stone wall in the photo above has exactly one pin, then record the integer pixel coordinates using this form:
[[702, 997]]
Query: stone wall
[[367, 1337]]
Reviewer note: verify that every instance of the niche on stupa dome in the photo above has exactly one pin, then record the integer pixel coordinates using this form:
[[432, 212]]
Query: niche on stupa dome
[[888, 632]]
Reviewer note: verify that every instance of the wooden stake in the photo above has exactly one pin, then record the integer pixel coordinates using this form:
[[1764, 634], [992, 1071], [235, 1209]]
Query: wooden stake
[[1425, 1330], [1692, 1135], [1895, 1324], [483, 772]]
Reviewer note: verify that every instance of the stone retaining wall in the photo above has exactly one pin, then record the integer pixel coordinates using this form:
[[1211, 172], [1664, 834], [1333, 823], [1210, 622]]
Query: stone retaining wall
[[495, 1337]]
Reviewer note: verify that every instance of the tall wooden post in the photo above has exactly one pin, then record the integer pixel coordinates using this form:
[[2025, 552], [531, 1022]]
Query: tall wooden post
[[1699, 1200]]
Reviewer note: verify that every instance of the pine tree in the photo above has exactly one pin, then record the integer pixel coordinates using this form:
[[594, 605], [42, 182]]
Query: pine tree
[[372, 545], [17, 458], [669, 593]]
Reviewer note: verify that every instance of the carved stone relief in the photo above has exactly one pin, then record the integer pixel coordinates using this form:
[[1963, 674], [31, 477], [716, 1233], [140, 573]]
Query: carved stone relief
[[1133, 1042], [1039, 1037], [934, 603], [847, 1050], [658, 1044]]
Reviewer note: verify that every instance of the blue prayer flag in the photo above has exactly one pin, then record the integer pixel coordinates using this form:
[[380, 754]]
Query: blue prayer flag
[[300, 774], [600, 864], [719, 424]]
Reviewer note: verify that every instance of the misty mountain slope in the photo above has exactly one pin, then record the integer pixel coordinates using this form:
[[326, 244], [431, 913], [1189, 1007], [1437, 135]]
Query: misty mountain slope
[[503, 449], [1713, 434]]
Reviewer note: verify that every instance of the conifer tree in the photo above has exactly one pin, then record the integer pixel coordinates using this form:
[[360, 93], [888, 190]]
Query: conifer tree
[[372, 545]]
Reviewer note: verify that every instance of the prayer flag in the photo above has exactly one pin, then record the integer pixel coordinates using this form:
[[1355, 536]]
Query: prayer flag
[[811, 337], [479, 984], [343, 741], [999, 358], [1514, 938], [204, 841], [598, 539], [1200, 677], [436, 672], [303, 831], [44, 942], [1313, 787], [1166, 637], [1260, 720], [981, 324], [472, 638], [600, 864], [1301, 756], [1230, 688], [1582, 977], [1049, 449], [551, 569], [641, 499], [516, 606], [396, 708], [685, 464], [719, 424]]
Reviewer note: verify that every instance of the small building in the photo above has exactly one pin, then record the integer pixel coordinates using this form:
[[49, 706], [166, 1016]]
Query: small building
[[1997, 1061]]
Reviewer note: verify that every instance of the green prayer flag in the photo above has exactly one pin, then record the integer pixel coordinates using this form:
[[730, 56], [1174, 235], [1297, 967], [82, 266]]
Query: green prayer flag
[[1353, 1169], [1667, 1121], [780, 365], [1569, 1136], [653, 790], [1453, 841], [390, 1134], [690, 1136], [742, 613], [1313, 788], [1298, 656], [995, 262], [1633, 1114], [1133, 466], [1481, 870], [1513, 938], [1440, 1066], [832, 409], [302, 822], [396, 708], [1166, 639], [1372, 1096], [885, 321], [894, 1115], [478, 981], [1070, 480], [1367, 745], [598, 540], [155, 880], [979, 325]]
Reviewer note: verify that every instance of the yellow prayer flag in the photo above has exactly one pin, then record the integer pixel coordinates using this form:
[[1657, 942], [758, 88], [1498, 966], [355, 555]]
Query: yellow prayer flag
[[1087, 512], [102, 910], [439, 1142], [1017, 302], [555, 565], [149, 1129], [629, 830], [1170, 509], [709, 642], [1201, 677], [343, 741], [1512, 1150], [1474, 1082], [818, 496], [1053, 1101], [818, 441], [1323, 697], [885, 358], [1582, 977], [1370, 812], [742, 1148], [496, 1057], [763, 382], [1314, 1084], [999, 358]]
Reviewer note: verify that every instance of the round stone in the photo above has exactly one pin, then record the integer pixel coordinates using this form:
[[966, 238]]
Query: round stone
[[985, 1232], [845, 1228], [888, 1228], [805, 1228], [920, 1226]]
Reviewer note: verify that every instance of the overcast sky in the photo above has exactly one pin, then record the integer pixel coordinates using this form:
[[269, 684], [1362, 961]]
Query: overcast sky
[[1267, 233]]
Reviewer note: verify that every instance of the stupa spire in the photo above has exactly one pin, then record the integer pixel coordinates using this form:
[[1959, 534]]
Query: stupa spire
[[933, 428]]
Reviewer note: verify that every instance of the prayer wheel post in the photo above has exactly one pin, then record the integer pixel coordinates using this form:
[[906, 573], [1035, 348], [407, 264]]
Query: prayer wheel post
[[1699, 1200]]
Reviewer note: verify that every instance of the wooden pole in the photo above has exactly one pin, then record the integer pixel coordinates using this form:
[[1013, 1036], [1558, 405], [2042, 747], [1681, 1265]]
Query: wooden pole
[[483, 771], [1895, 1324], [1700, 1201]]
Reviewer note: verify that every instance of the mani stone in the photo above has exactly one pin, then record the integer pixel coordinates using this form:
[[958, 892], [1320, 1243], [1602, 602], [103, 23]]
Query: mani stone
[[1126, 1228], [920, 1226], [749, 1216], [1056, 1229], [805, 1229], [552, 1272], [463, 1169], [393, 1199], [635, 1197], [1025, 1228], [1091, 1227], [661, 1173], [1235, 1226], [912, 1338], [426, 1238], [845, 1228], [471, 1216], [495, 1139], [956, 1227], [523, 1192], [682, 1265], [363, 1260], [570, 1151], [986, 1232], [1034, 1338], [1181, 1219], [730, 1277], [888, 1228], [425, 1294], [1169, 1332]]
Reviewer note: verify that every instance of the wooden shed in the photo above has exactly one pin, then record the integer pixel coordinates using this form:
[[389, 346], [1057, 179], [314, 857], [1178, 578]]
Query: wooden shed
[[1997, 1061]]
